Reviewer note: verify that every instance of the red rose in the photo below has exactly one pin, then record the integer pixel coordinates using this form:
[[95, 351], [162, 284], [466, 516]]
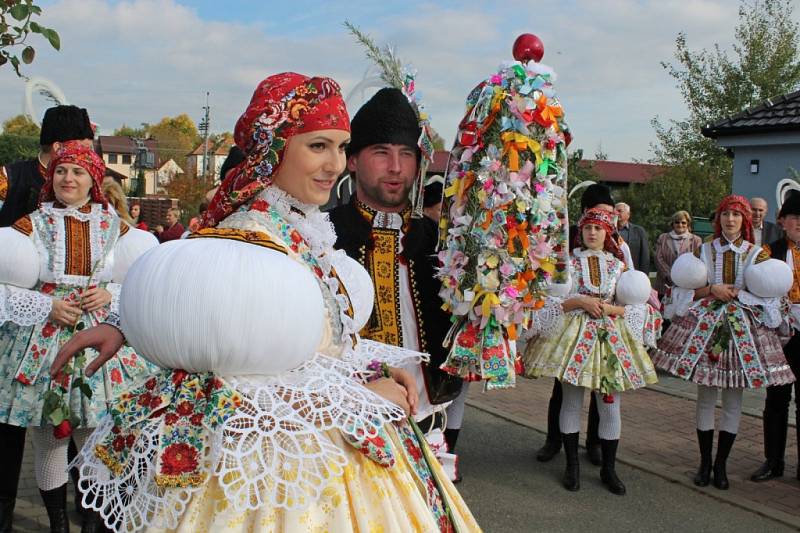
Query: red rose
[[587, 334], [757, 383], [178, 376], [692, 349], [578, 358], [116, 376], [614, 339], [155, 402], [608, 398], [150, 384], [185, 408], [681, 371], [63, 430], [748, 358], [170, 418], [178, 458], [48, 330], [196, 419], [704, 326], [145, 399], [118, 443], [413, 450], [626, 364], [129, 440]]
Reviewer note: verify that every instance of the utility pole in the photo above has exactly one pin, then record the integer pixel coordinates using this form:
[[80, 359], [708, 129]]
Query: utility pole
[[204, 127]]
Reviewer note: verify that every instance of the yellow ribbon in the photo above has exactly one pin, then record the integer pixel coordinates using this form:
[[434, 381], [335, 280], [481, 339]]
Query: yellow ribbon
[[489, 299], [513, 142]]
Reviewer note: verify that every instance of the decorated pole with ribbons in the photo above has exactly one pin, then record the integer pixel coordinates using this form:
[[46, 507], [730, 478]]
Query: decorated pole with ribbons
[[503, 231]]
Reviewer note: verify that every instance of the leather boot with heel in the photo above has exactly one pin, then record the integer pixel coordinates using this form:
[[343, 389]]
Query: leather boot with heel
[[705, 439], [55, 503], [572, 473], [608, 471], [724, 445]]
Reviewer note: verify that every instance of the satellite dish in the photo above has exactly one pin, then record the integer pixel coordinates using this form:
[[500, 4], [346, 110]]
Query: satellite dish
[[46, 88]]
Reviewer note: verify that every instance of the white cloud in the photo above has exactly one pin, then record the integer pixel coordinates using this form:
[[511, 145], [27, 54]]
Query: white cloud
[[139, 60]]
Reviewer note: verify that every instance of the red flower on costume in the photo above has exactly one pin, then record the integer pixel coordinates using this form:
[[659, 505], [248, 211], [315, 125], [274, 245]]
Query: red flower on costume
[[178, 458], [704, 326], [48, 330], [178, 376], [196, 419], [116, 376], [185, 408], [413, 450], [63, 430], [118, 443], [150, 384], [170, 418]]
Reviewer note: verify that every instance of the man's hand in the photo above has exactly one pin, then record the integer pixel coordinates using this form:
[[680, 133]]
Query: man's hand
[[64, 313], [106, 339]]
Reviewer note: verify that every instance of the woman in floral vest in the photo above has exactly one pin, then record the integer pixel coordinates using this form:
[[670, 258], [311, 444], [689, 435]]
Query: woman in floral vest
[[60, 271]]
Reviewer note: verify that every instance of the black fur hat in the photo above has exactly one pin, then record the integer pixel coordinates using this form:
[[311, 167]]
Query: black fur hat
[[386, 118], [596, 194], [65, 123], [791, 205]]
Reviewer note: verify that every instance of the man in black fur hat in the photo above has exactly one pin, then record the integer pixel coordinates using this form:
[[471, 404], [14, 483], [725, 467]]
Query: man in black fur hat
[[21, 182], [376, 228], [776, 406]]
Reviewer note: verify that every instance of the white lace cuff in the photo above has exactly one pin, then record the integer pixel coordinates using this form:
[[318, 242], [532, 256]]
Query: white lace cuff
[[114, 289], [23, 307], [548, 320], [367, 351], [771, 307], [680, 302]]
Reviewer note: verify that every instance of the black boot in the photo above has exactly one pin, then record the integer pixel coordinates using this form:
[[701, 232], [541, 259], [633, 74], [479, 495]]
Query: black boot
[[572, 474], [12, 447], [93, 522], [706, 441], [724, 445], [55, 502], [608, 472], [552, 443], [775, 427], [72, 452], [593, 449], [451, 437], [6, 514]]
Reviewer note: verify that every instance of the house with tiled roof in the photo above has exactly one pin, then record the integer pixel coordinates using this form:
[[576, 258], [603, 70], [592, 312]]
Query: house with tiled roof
[[216, 156], [764, 142], [120, 156]]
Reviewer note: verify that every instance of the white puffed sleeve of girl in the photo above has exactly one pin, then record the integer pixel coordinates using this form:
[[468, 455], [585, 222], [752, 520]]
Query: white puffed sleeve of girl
[[19, 271], [130, 246]]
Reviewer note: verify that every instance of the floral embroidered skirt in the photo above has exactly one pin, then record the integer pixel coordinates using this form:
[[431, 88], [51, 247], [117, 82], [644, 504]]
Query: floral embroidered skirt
[[746, 355], [598, 354], [26, 354]]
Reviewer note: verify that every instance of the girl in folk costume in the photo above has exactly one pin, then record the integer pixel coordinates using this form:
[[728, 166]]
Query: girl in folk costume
[[60, 271], [264, 417], [594, 338], [725, 305]]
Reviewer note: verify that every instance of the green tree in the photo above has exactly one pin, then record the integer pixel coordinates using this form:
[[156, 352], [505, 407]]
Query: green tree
[[714, 84], [128, 131], [16, 147], [190, 192], [21, 125], [177, 137], [15, 28]]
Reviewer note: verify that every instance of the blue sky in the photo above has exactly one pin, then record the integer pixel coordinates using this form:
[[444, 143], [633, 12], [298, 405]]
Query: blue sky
[[137, 61]]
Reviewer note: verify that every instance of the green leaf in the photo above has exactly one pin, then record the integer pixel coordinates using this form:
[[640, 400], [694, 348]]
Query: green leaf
[[74, 420], [36, 10], [51, 401], [86, 390], [57, 416], [52, 36], [80, 326], [27, 55], [19, 11], [35, 27]]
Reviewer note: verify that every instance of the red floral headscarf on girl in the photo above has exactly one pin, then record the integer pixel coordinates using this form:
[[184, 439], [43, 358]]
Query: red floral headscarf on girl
[[604, 219], [77, 154], [283, 105], [740, 204]]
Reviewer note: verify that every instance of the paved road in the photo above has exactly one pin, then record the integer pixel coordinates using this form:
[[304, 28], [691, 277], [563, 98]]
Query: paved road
[[508, 491]]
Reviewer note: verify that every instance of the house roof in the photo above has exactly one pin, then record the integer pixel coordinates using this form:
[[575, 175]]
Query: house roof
[[115, 144], [775, 114], [622, 171]]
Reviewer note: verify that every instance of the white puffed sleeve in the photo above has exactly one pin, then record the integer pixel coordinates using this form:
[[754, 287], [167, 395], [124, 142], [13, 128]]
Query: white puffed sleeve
[[128, 249], [19, 271]]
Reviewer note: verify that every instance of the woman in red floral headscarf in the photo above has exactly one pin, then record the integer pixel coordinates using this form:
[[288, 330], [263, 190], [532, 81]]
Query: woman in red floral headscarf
[[726, 306], [594, 338], [60, 270], [273, 414]]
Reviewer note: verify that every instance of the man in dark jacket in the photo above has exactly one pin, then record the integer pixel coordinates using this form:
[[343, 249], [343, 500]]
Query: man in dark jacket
[[635, 236], [20, 182], [376, 228], [776, 406]]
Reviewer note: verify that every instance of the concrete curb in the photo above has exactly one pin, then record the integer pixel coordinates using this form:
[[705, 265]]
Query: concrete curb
[[723, 496]]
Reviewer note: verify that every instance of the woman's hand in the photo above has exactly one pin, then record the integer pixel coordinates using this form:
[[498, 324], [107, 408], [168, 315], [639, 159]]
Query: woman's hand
[[106, 339], [723, 292], [406, 380], [95, 298], [64, 313], [391, 390], [593, 306]]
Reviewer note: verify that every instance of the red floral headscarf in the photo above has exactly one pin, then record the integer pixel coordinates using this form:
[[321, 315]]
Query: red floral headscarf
[[282, 105], [604, 219], [740, 204], [77, 154]]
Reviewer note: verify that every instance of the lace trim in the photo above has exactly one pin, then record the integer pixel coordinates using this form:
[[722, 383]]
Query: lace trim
[[773, 307], [549, 320], [115, 289], [23, 307], [368, 351], [679, 302], [273, 451], [741, 253], [639, 320]]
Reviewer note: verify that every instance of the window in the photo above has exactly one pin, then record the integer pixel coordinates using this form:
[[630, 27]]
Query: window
[[112, 159], [126, 159]]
